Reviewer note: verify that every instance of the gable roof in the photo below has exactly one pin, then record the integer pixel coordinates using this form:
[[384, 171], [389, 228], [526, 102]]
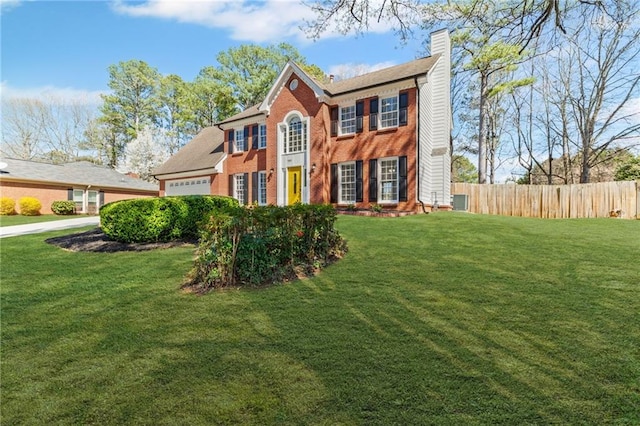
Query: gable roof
[[400, 72], [77, 173], [408, 70], [204, 151]]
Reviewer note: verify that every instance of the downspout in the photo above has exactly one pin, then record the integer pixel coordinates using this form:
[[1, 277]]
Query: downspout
[[415, 80]]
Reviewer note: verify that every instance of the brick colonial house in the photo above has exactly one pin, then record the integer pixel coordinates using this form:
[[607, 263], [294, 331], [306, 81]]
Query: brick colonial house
[[379, 138], [90, 186]]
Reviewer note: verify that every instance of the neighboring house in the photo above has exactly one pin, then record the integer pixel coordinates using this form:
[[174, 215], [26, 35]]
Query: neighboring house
[[380, 138], [88, 185]]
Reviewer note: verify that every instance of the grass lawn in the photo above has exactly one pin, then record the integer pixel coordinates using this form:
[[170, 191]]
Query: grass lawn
[[432, 319], [23, 220]]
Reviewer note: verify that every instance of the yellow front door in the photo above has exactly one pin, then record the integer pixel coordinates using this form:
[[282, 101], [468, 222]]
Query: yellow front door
[[294, 185]]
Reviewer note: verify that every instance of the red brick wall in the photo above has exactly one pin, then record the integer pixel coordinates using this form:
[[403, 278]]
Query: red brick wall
[[47, 193], [324, 149]]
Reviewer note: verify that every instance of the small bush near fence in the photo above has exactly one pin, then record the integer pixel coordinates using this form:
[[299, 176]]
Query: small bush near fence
[[30, 206], [63, 208], [159, 219], [7, 206], [263, 245]]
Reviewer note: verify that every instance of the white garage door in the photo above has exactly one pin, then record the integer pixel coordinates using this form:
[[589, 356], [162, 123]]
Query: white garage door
[[192, 186]]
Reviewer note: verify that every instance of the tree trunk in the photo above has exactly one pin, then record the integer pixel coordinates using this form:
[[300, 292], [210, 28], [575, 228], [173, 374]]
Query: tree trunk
[[482, 134]]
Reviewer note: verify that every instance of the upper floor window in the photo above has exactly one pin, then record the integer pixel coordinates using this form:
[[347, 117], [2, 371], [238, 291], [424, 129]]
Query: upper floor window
[[389, 112], [262, 136], [239, 141], [296, 135], [347, 119]]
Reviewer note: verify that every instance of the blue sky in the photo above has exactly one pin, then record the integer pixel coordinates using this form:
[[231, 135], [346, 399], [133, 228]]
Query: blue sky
[[63, 48]]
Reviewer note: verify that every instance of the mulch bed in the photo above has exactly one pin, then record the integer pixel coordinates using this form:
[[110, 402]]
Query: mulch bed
[[96, 241]]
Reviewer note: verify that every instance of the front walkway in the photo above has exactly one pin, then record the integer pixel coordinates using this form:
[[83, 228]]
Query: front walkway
[[34, 228]]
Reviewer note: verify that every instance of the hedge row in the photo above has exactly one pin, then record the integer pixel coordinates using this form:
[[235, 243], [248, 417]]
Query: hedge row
[[159, 219], [29, 206], [261, 245]]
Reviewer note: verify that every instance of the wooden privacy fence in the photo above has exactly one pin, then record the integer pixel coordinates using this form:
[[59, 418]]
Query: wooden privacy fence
[[604, 199]]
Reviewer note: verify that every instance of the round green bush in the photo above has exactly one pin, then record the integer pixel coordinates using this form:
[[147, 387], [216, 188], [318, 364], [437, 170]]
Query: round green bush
[[63, 208], [7, 206], [29, 206], [159, 219]]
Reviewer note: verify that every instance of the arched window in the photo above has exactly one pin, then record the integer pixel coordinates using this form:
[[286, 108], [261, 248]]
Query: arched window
[[297, 135]]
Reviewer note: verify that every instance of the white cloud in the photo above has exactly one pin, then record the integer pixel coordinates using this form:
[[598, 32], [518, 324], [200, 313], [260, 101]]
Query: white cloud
[[6, 5], [254, 21], [348, 70], [271, 20], [51, 94]]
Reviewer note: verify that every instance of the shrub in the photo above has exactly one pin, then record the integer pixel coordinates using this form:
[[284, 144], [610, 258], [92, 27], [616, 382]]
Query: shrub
[[258, 246], [63, 208], [159, 219], [7, 206], [29, 206]]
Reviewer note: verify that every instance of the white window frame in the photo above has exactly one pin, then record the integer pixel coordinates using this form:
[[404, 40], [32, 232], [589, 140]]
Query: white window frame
[[239, 185], [384, 181], [262, 136], [262, 188], [239, 144], [342, 167], [347, 119], [301, 143], [389, 117]]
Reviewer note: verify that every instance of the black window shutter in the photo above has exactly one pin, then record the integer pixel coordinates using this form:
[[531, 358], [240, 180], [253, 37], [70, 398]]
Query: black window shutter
[[246, 188], [101, 198], [402, 178], [334, 183], [334, 121], [231, 141], [373, 180], [359, 181], [254, 137], [359, 116], [373, 114], [70, 194], [403, 112], [246, 138], [231, 194], [254, 187]]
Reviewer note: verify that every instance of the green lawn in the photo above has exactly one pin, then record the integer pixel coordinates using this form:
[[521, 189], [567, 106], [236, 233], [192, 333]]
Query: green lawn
[[22, 220], [431, 319]]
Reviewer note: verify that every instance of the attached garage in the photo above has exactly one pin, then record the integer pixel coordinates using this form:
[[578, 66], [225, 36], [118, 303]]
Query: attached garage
[[192, 186]]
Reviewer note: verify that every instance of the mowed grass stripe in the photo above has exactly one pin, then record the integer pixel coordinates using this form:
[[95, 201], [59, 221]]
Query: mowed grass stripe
[[431, 319]]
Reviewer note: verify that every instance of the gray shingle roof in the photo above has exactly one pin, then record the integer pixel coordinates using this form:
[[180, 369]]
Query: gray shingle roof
[[204, 151], [380, 77], [78, 173]]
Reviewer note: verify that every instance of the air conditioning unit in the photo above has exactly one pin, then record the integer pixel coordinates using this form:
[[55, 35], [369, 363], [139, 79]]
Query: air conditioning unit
[[460, 202]]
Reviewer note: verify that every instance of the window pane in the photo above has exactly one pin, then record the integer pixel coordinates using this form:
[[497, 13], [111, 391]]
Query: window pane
[[389, 180], [348, 120], [239, 141], [389, 112], [347, 183], [295, 135], [262, 188], [239, 189], [262, 138]]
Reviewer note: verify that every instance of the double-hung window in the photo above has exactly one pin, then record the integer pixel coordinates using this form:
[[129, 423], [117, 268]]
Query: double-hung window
[[347, 119], [347, 187], [239, 188], [262, 136], [389, 112], [262, 188], [78, 199], [388, 180], [239, 141]]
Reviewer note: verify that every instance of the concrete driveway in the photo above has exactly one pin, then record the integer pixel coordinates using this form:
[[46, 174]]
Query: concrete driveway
[[34, 228]]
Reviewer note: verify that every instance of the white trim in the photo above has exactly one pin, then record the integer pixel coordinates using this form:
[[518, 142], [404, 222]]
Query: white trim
[[280, 84]]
